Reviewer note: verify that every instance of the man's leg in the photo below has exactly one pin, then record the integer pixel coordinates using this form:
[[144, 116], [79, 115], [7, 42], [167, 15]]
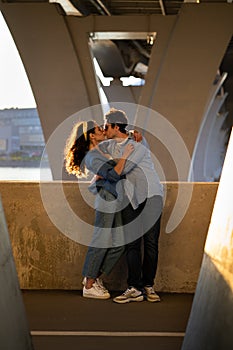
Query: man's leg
[[150, 260], [151, 217], [132, 223], [133, 256], [134, 262]]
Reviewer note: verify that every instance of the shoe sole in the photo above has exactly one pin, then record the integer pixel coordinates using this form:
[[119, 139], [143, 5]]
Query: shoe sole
[[103, 297], [140, 298], [152, 300]]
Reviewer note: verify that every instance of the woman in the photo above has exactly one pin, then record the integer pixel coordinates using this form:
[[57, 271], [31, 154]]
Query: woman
[[82, 155]]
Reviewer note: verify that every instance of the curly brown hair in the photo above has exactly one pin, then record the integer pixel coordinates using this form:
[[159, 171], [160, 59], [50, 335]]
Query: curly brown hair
[[77, 146]]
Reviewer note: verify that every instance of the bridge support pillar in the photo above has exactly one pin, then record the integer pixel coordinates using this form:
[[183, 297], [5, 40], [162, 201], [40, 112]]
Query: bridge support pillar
[[14, 332], [210, 324]]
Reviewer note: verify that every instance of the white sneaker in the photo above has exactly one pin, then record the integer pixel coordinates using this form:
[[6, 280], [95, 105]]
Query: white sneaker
[[151, 295], [99, 283], [95, 292], [131, 294]]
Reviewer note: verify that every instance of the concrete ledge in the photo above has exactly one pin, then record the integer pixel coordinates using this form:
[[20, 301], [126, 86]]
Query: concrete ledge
[[47, 259]]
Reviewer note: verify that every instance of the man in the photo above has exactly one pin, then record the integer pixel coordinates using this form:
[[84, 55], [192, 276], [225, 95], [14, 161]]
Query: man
[[141, 212]]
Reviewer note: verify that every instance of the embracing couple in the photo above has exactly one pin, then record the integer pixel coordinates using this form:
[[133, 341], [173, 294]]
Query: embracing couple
[[128, 205]]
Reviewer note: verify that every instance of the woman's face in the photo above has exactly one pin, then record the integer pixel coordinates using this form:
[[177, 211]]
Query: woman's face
[[99, 134]]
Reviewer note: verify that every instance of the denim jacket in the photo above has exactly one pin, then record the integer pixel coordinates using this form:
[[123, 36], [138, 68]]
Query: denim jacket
[[98, 164]]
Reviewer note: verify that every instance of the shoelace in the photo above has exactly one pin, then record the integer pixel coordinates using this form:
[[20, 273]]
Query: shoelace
[[98, 288], [128, 290], [150, 290], [99, 283]]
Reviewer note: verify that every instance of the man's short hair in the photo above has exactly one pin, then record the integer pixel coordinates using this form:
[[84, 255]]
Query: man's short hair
[[116, 116]]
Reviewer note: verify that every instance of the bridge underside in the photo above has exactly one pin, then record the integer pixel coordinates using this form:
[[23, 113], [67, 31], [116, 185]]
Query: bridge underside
[[183, 65]]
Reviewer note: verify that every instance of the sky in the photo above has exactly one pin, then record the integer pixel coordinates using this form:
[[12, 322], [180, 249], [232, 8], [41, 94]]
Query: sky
[[15, 90]]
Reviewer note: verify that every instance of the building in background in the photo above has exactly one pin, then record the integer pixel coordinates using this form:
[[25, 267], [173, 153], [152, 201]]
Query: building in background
[[21, 137]]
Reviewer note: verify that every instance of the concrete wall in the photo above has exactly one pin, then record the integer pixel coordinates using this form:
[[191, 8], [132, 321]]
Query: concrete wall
[[47, 259]]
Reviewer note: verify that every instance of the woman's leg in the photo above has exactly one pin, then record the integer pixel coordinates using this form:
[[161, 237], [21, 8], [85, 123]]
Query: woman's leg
[[101, 240], [93, 262], [111, 258], [113, 254]]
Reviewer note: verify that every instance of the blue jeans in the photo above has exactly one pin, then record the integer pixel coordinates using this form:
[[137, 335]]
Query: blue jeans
[[107, 244], [145, 223]]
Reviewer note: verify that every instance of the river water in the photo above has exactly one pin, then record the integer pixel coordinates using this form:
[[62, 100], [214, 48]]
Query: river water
[[25, 174]]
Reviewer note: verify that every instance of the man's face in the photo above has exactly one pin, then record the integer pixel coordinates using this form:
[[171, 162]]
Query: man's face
[[110, 132]]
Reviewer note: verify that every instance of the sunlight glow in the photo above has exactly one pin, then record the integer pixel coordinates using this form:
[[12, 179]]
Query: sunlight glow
[[15, 90]]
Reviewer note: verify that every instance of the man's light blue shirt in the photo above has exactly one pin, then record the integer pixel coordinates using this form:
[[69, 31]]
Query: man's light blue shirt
[[142, 180]]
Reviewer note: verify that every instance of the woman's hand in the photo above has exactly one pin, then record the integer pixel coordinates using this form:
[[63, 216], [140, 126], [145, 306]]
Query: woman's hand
[[129, 148], [119, 167], [96, 178], [137, 136]]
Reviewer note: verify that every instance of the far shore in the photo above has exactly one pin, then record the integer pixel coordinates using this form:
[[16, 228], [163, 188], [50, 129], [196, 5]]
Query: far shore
[[24, 163]]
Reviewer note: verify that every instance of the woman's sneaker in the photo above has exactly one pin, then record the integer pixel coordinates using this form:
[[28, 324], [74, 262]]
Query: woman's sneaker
[[151, 295], [95, 292], [131, 294], [99, 283]]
